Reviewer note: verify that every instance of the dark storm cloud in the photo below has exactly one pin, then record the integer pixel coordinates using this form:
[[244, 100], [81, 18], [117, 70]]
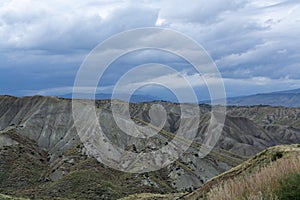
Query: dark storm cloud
[[42, 44]]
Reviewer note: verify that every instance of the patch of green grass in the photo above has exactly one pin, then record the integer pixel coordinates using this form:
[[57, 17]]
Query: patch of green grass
[[6, 197], [87, 184], [289, 188], [89, 179], [20, 168]]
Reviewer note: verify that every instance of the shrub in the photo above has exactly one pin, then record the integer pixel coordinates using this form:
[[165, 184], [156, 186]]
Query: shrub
[[276, 156], [289, 188]]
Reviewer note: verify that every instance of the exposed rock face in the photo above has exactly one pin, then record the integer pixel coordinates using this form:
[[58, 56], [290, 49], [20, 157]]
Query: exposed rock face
[[6, 140], [48, 123]]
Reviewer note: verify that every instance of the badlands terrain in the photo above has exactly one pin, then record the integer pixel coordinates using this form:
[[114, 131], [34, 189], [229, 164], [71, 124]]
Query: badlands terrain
[[42, 156]]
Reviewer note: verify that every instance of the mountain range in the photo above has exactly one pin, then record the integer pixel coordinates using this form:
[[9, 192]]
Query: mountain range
[[135, 98], [289, 98]]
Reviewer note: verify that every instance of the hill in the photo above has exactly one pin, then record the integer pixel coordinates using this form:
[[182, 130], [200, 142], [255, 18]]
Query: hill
[[271, 174], [42, 156]]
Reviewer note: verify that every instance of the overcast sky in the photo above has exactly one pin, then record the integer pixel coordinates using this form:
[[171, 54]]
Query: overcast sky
[[255, 44]]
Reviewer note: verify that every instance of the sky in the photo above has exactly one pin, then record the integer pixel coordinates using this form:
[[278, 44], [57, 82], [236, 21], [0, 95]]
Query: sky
[[255, 44]]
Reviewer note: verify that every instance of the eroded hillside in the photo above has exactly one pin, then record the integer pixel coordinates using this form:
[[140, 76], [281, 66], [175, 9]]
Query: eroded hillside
[[38, 133]]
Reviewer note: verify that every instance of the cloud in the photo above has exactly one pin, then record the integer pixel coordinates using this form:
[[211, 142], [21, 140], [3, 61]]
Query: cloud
[[43, 43], [251, 36], [57, 26], [175, 85], [196, 11]]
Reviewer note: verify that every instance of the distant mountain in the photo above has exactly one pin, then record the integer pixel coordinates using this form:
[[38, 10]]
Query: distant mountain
[[133, 99], [289, 98]]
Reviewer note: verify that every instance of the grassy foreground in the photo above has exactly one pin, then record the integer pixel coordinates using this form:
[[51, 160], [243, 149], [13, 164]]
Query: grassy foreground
[[272, 174], [278, 180]]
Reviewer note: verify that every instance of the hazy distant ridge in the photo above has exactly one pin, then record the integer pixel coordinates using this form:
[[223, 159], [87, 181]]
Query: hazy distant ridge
[[289, 98]]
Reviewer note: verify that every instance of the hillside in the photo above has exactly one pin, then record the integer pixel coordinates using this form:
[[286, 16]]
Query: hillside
[[263, 176], [271, 174], [38, 133], [6, 197]]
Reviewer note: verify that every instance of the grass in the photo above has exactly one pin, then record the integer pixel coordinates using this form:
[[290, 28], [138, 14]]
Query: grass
[[89, 179], [272, 174], [6, 197], [289, 187], [150, 196], [24, 171], [256, 178], [86, 178], [83, 184], [19, 168], [262, 184]]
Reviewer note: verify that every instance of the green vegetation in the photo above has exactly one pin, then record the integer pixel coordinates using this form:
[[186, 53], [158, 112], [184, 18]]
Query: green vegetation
[[289, 187], [89, 179], [272, 174], [150, 196], [20, 168], [6, 197], [67, 172], [261, 184], [83, 184], [24, 172]]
